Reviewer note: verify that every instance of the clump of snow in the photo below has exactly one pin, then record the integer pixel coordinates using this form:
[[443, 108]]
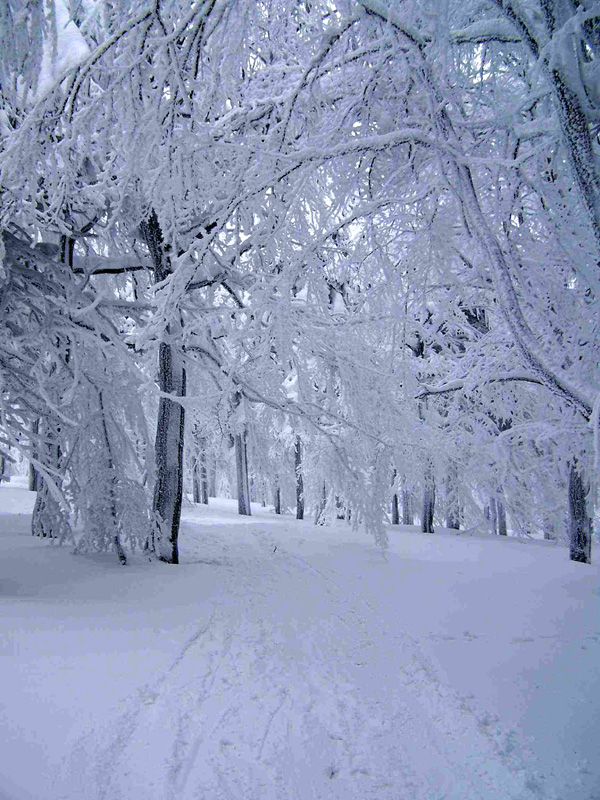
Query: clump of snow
[[68, 50]]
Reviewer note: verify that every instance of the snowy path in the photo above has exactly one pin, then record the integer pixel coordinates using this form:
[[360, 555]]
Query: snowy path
[[286, 662], [291, 687]]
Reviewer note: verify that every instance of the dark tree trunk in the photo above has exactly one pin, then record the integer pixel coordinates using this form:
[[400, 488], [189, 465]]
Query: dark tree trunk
[[168, 490], [195, 484], [277, 499], [501, 515], [395, 503], [428, 501], [34, 476], [203, 478], [395, 509], [241, 467], [580, 523], [299, 479], [407, 512], [3, 471], [49, 518]]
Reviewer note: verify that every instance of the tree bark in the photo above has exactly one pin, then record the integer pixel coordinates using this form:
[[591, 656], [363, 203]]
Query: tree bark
[[299, 478], [395, 503], [395, 509], [407, 512], [241, 466], [277, 499], [34, 476], [428, 501], [168, 490], [580, 523]]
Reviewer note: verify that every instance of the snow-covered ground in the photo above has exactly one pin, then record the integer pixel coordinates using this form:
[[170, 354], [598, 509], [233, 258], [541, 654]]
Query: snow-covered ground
[[283, 661]]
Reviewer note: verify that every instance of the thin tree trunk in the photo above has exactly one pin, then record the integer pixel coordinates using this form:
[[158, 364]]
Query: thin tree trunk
[[34, 476], [395, 503], [493, 516], [407, 512], [277, 499], [241, 465], [452, 499], [199, 472], [580, 523], [320, 510], [428, 501], [299, 478], [195, 483], [212, 475], [203, 475]]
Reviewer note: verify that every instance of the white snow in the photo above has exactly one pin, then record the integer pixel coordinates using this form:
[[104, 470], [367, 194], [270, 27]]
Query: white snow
[[284, 661], [69, 49]]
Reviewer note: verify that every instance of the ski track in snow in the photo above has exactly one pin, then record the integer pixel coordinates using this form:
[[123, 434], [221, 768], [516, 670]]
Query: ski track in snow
[[264, 704]]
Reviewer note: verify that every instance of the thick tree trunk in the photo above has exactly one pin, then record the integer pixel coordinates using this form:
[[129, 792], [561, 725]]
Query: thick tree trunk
[[299, 478], [168, 490], [580, 523], [241, 467], [428, 501]]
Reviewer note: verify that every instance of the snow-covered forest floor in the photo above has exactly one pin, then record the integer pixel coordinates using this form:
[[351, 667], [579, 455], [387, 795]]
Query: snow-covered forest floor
[[286, 661]]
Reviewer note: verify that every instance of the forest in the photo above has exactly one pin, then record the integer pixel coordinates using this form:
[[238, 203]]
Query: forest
[[338, 257]]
